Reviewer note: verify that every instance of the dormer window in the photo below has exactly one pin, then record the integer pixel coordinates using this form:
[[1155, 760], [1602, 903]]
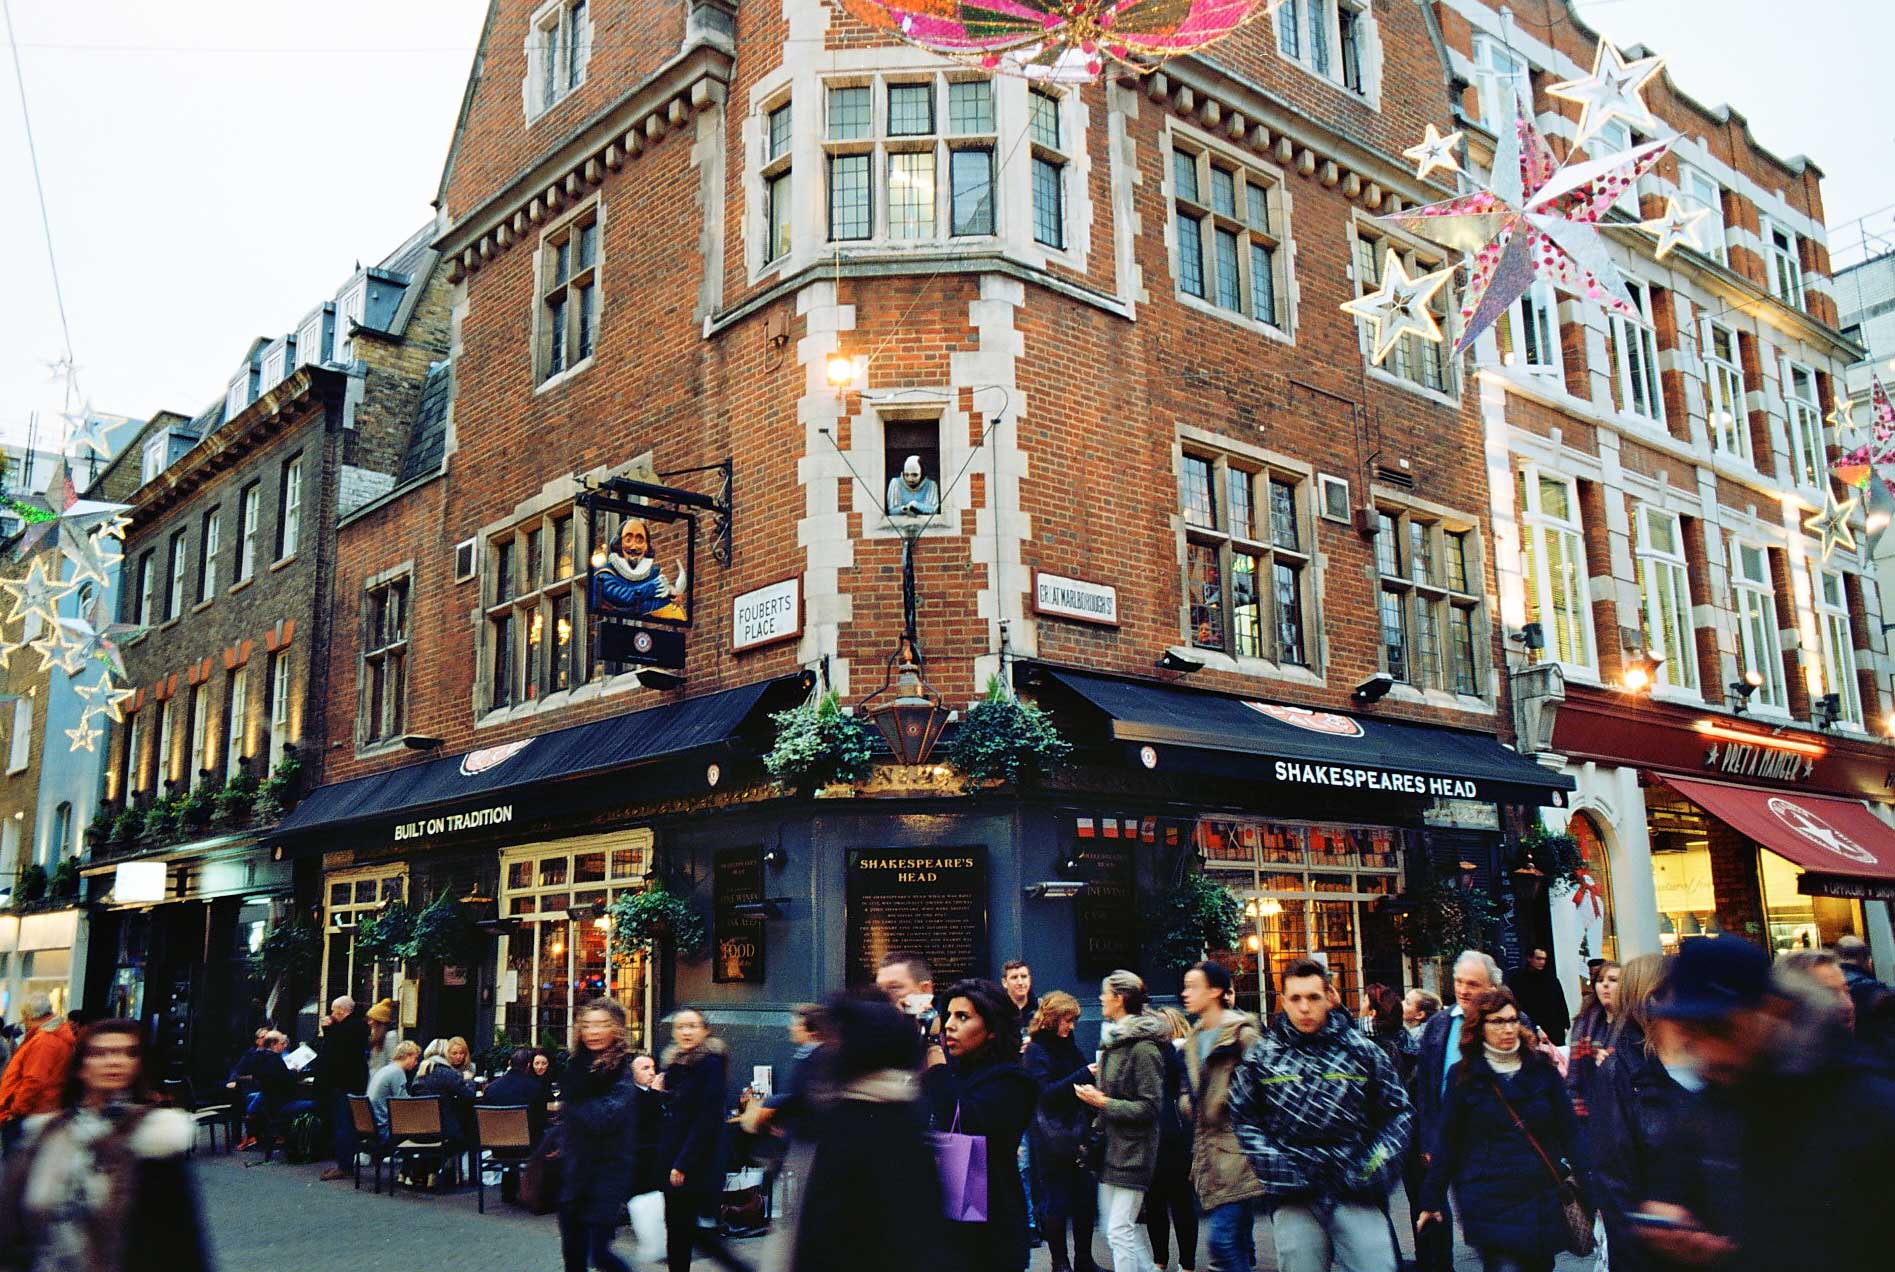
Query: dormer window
[[239, 395], [276, 362], [309, 339], [152, 460], [349, 311]]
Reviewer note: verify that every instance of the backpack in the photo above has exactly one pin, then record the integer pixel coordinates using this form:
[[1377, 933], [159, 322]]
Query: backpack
[[303, 1139]]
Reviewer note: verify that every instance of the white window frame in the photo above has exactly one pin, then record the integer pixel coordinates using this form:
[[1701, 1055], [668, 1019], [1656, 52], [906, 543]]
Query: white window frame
[[134, 755], [1615, 137], [1726, 412], [1412, 358], [1753, 599], [167, 731], [878, 146], [274, 366], [1664, 588], [1784, 261], [203, 752], [20, 742], [340, 919], [558, 52], [1571, 644], [1536, 311], [309, 340], [239, 395], [1197, 212], [251, 511], [279, 672], [178, 548], [1701, 190], [1803, 427], [1497, 69], [152, 458], [207, 563], [147, 587], [289, 533], [237, 715], [1836, 643], [351, 307], [522, 611], [1642, 336], [1309, 33]]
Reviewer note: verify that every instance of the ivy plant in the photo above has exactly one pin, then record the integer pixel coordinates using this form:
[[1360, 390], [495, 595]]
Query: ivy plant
[[1199, 914], [818, 745], [641, 919], [1004, 739]]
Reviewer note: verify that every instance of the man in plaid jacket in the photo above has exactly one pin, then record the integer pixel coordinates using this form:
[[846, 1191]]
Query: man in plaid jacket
[[1320, 1111]]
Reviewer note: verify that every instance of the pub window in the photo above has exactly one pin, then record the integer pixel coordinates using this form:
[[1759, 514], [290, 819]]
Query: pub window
[[1553, 552], [1246, 558], [535, 611], [1229, 225], [1427, 602], [1753, 596], [1665, 599], [936, 166], [1837, 647], [385, 660], [1422, 362], [569, 294], [560, 953], [777, 208], [349, 899]]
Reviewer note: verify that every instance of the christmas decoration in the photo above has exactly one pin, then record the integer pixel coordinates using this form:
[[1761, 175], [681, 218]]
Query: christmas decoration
[[1679, 225], [1868, 465], [35, 595], [1399, 307], [1067, 42], [1831, 524], [1611, 92], [1538, 219], [97, 641], [84, 736], [87, 432], [105, 697], [1434, 153]]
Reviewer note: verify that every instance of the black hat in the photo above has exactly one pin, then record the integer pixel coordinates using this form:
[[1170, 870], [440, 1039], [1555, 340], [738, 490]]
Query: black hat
[[1712, 977]]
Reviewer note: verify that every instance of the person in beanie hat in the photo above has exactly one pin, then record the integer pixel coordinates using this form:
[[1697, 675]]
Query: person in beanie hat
[[1771, 1060], [381, 1033]]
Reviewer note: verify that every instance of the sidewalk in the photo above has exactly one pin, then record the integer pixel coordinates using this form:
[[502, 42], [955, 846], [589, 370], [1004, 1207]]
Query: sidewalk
[[272, 1217]]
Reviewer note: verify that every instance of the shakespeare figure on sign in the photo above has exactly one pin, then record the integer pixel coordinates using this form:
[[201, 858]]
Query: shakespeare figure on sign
[[630, 584]]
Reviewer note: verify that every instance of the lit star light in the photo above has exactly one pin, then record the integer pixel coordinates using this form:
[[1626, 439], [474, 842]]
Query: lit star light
[[92, 554], [1399, 307], [87, 433], [1678, 226], [105, 696], [1831, 524], [1842, 418], [84, 737], [1434, 153], [1538, 219], [1612, 91], [35, 594]]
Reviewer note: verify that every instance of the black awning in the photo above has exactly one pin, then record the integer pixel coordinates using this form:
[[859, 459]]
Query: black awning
[[1284, 744], [602, 746]]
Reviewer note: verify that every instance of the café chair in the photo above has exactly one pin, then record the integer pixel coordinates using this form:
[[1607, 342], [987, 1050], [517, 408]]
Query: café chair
[[367, 1140], [504, 1142], [414, 1123], [207, 1116]]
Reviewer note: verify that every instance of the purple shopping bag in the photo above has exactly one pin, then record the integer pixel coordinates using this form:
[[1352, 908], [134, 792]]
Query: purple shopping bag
[[962, 1161]]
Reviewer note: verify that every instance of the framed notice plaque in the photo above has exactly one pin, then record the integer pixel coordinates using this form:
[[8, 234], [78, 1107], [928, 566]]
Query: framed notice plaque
[[736, 939], [930, 901]]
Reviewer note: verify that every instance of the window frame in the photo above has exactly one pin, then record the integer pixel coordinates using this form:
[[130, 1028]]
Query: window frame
[[1537, 527], [1409, 361], [145, 588], [1537, 313], [289, 521], [1197, 213], [177, 556], [568, 308], [876, 145], [154, 457], [1048, 156], [776, 177], [277, 672], [517, 607], [1732, 398], [1835, 643], [1490, 71], [382, 714], [1701, 190], [236, 718], [1783, 262], [1803, 427], [249, 513], [212, 541], [20, 736], [1759, 647], [1426, 599], [1626, 334], [558, 55], [1664, 591], [1264, 545]]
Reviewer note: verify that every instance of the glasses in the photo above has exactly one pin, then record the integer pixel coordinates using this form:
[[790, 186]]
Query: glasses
[[1502, 1022]]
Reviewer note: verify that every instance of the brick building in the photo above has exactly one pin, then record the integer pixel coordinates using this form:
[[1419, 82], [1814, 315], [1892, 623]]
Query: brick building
[[230, 563], [1677, 639]]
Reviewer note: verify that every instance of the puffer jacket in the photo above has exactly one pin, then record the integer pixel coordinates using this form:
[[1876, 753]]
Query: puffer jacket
[[1321, 1115], [1219, 1170], [1132, 1076]]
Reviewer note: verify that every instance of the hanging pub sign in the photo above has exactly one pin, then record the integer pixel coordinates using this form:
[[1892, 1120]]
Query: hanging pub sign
[[930, 901], [641, 545], [736, 937]]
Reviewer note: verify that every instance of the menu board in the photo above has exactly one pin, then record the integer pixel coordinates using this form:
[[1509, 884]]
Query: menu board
[[736, 939], [929, 901], [1105, 918]]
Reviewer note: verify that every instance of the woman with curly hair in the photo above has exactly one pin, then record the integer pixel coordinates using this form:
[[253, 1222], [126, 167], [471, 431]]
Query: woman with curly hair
[[1505, 1122], [597, 1138], [1066, 1192]]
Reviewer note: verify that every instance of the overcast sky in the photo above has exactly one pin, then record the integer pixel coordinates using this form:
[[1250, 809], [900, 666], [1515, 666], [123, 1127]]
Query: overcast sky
[[213, 168]]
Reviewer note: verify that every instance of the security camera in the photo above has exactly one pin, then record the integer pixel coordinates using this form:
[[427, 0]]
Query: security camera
[[1374, 689]]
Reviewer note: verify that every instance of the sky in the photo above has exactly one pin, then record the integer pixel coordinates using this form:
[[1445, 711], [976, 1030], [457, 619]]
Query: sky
[[215, 168]]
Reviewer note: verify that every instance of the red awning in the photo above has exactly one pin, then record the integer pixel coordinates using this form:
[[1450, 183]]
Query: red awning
[[1822, 834]]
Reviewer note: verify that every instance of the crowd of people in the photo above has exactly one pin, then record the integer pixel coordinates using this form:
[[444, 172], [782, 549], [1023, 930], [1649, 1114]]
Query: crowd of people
[[1711, 1109]]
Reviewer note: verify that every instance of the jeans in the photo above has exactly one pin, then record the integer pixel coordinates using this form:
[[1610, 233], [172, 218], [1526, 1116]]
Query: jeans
[[1024, 1159], [580, 1241], [1170, 1204], [1118, 1215], [1232, 1236], [344, 1127], [1354, 1238]]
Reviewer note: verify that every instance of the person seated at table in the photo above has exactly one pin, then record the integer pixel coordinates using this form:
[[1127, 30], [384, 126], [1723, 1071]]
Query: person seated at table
[[391, 1083], [245, 1067], [517, 1086], [439, 1075], [543, 1071], [278, 1100]]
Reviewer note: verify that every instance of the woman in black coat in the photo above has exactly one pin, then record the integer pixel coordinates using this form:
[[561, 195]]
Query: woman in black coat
[[1507, 1197], [1637, 1109], [978, 1088], [1067, 1193], [691, 1148], [596, 1134], [518, 1087], [874, 1196]]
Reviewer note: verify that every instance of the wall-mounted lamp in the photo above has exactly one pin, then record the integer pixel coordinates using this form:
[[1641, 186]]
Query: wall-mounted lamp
[[1741, 690], [839, 370], [1641, 670], [1531, 637], [1055, 889], [775, 858], [1374, 689], [1172, 660], [1828, 710]]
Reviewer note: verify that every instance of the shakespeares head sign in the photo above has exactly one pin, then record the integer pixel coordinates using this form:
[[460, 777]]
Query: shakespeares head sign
[[633, 582]]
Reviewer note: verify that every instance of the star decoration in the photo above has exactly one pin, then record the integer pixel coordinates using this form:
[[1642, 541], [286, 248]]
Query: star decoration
[[105, 696], [87, 432], [84, 515], [89, 554], [94, 640], [1538, 219], [84, 737], [1842, 418], [1831, 524], [1869, 466], [72, 642], [1399, 306], [35, 594], [1434, 153], [1611, 92], [1679, 225]]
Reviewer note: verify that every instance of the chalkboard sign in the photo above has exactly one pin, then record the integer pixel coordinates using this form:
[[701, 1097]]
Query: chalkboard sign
[[930, 901], [736, 939], [1105, 918]]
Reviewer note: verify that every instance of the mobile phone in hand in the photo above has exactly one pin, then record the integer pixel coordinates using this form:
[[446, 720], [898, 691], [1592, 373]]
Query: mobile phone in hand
[[1647, 1220]]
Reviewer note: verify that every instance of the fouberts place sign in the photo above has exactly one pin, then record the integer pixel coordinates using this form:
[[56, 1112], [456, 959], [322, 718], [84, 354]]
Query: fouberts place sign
[[453, 823], [1349, 777]]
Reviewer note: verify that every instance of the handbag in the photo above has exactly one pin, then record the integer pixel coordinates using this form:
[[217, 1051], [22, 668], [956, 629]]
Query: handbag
[[1091, 1157], [540, 1178], [1578, 1215], [962, 1163]]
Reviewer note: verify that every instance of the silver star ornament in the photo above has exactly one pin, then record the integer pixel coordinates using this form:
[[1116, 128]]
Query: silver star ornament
[[1399, 307], [1612, 91], [1677, 227], [1831, 524], [35, 594]]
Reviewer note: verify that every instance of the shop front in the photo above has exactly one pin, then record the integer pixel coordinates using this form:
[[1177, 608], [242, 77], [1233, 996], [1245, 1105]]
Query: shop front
[[37, 957], [1708, 825]]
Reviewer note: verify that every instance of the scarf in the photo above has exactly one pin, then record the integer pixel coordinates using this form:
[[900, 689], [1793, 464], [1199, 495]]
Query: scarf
[[1503, 1062]]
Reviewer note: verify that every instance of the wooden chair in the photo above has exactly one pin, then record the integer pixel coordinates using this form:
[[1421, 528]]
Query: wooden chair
[[206, 1116], [505, 1141], [367, 1140], [414, 1124]]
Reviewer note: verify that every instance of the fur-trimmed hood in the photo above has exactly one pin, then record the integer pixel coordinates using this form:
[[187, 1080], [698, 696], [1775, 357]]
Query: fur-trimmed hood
[[885, 1086], [1146, 1026], [160, 1133], [712, 1045]]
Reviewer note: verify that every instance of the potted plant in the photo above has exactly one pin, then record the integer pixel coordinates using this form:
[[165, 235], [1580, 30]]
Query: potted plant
[[99, 830], [443, 933], [279, 792], [1199, 914], [291, 951], [1004, 739], [195, 807], [31, 888], [1436, 918], [161, 820], [236, 803], [642, 919], [127, 827], [818, 745], [64, 885], [384, 935], [1556, 855]]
